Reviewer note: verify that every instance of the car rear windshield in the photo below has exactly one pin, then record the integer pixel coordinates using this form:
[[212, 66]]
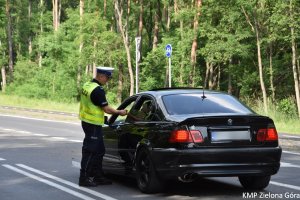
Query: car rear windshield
[[181, 104]]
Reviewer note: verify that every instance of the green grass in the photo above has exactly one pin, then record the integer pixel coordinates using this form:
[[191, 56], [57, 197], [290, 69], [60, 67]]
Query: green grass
[[285, 123], [44, 104]]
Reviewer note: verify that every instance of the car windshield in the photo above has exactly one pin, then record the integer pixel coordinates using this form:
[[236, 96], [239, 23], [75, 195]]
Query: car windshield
[[185, 104]]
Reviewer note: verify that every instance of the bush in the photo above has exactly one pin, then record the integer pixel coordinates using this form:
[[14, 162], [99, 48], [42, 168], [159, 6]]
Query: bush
[[287, 106]]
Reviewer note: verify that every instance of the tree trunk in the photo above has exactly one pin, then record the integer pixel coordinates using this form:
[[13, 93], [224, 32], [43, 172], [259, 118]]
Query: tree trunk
[[294, 57], [94, 58], [182, 56], [10, 41], [29, 19], [206, 79], [211, 77], [229, 90], [194, 43], [127, 22], [271, 73], [119, 13], [156, 26], [260, 68], [104, 9], [3, 75], [79, 69], [41, 6], [56, 13], [120, 84], [81, 11], [140, 29]]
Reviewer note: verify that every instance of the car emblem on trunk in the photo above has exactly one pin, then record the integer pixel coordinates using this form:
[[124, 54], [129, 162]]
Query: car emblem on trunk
[[229, 122]]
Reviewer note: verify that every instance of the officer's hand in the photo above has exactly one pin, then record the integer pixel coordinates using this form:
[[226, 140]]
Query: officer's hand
[[122, 112]]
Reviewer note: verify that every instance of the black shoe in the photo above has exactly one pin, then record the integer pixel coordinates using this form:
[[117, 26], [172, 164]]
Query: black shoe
[[102, 181], [87, 182]]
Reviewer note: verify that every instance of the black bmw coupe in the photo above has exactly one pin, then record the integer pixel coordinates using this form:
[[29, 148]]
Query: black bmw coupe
[[188, 133]]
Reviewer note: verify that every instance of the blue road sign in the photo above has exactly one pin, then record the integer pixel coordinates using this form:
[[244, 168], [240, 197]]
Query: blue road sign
[[168, 50]]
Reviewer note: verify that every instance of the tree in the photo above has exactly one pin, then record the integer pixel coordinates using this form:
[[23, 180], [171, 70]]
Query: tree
[[294, 55], [10, 40], [256, 22], [123, 30]]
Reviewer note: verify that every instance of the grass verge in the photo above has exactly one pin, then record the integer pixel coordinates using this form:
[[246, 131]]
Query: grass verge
[[43, 104]]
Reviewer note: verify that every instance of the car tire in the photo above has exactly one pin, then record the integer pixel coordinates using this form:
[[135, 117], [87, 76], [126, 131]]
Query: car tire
[[146, 175], [254, 182]]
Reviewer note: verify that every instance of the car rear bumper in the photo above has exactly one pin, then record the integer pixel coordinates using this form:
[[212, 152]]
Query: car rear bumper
[[172, 163]]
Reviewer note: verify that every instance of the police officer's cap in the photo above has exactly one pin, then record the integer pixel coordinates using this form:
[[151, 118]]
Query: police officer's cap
[[105, 70]]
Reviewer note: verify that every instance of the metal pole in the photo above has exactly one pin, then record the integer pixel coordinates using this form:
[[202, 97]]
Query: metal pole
[[137, 59], [136, 76], [170, 73]]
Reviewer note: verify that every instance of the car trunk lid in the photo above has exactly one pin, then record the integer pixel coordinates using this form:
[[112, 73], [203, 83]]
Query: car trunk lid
[[229, 131]]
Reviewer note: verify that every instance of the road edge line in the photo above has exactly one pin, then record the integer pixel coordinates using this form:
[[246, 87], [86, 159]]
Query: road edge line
[[55, 185], [98, 194]]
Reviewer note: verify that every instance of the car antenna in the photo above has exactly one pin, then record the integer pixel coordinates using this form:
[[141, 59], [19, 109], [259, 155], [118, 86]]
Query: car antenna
[[203, 95]]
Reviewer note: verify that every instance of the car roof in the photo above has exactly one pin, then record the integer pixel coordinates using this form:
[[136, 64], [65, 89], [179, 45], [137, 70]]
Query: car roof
[[169, 91]]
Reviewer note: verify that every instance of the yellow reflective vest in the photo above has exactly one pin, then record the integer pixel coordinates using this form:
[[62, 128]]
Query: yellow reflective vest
[[88, 111]]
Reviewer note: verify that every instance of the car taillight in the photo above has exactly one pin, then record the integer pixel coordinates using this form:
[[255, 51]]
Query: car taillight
[[267, 134], [185, 136], [197, 136]]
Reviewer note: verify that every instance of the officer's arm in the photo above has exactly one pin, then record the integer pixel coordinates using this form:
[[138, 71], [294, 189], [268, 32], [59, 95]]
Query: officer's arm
[[109, 110]]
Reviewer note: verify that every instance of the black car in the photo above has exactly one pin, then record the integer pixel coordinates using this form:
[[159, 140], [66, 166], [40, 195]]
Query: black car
[[188, 133]]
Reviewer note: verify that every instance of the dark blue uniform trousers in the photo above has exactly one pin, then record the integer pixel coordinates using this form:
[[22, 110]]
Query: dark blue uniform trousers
[[93, 150]]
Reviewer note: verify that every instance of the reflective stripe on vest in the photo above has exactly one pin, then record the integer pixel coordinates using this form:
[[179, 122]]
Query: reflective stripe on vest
[[89, 112]]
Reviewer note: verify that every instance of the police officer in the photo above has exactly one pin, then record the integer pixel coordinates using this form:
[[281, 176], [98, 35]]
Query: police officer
[[93, 105]]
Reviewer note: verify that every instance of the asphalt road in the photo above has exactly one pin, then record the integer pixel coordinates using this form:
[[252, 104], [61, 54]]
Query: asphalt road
[[39, 159]]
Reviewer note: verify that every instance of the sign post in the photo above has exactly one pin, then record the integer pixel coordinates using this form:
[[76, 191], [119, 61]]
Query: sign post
[[168, 54], [137, 59]]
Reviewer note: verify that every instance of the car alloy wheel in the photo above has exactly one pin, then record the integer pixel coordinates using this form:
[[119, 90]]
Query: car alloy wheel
[[147, 179]]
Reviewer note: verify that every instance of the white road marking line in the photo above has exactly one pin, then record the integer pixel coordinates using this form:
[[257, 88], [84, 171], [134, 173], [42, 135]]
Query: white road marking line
[[290, 152], [285, 185], [46, 120], [79, 141], [8, 129], [72, 192], [39, 134], [1, 159], [98, 194], [26, 132], [59, 138], [284, 164]]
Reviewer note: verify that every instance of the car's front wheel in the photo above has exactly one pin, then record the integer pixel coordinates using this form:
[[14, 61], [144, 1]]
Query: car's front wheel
[[147, 179], [254, 182]]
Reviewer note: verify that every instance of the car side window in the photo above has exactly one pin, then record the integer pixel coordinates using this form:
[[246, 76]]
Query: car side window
[[143, 110], [123, 118], [127, 105]]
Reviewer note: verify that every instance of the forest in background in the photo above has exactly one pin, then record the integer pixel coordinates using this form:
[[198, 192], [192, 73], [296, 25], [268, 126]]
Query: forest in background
[[248, 48]]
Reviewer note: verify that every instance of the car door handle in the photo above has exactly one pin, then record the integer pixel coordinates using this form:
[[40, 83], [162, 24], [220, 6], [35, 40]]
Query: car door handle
[[119, 129]]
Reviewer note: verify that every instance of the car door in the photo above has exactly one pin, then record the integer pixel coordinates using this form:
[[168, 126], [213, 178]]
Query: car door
[[111, 132], [139, 123]]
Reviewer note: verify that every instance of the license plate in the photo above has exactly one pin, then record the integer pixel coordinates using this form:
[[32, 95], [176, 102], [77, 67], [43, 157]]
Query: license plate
[[218, 136]]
